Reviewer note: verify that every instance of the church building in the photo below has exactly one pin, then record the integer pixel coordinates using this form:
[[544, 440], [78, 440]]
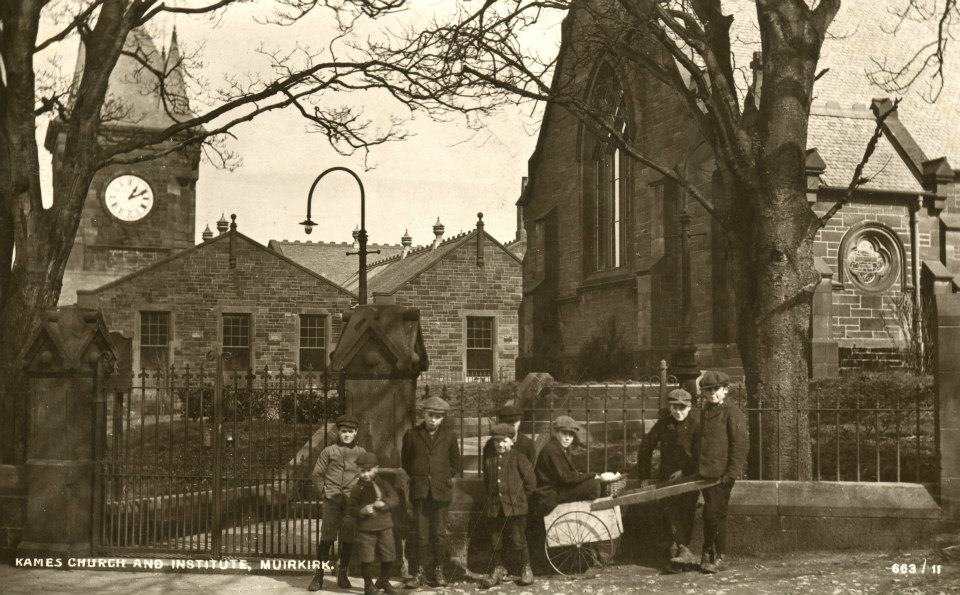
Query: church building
[[608, 238]]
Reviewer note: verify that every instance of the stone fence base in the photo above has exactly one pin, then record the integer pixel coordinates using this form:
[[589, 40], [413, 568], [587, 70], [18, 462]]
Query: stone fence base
[[12, 507], [764, 517]]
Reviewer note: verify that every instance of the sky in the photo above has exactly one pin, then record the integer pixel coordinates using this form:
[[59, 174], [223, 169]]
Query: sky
[[443, 169]]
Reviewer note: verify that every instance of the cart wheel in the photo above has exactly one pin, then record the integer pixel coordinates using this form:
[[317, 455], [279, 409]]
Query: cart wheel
[[577, 541]]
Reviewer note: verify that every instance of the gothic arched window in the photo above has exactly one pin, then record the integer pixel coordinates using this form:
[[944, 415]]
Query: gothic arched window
[[607, 177]]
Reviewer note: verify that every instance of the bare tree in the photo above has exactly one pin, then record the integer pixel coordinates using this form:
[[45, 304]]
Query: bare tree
[[757, 133], [35, 241]]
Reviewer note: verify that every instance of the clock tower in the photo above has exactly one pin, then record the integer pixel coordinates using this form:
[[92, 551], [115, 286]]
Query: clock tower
[[134, 214]]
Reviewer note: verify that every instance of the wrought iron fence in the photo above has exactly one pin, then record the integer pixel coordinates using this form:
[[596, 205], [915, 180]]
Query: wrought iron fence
[[851, 435], [199, 461]]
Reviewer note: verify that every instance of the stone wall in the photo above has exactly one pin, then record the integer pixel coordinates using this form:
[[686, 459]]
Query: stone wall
[[199, 285], [455, 288], [12, 503]]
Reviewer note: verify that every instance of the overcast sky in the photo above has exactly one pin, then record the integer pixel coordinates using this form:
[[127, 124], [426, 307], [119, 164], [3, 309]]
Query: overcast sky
[[443, 169]]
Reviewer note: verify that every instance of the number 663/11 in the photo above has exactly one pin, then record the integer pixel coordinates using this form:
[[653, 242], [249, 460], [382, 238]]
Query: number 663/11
[[904, 568]]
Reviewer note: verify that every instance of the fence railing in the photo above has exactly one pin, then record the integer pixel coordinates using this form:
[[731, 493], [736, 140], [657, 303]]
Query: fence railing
[[849, 436]]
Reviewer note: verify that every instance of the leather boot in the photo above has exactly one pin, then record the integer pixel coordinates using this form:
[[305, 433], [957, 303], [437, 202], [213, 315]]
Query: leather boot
[[317, 583], [684, 556], [414, 582], [494, 578], [526, 575], [368, 587], [707, 565], [383, 583], [343, 567], [435, 578]]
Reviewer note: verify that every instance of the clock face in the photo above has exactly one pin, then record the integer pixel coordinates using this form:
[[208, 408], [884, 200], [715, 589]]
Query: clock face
[[128, 198]]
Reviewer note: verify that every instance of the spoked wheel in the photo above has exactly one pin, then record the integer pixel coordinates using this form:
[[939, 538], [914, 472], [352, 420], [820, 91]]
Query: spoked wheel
[[578, 541]]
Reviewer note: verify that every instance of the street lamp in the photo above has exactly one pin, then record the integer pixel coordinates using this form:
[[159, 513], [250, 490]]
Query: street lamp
[[309, 224]]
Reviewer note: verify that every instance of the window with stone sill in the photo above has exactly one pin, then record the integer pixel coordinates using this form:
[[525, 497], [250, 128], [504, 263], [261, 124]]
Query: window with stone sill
[[480, 348], [154, 340], [313, 342], [237, 341]]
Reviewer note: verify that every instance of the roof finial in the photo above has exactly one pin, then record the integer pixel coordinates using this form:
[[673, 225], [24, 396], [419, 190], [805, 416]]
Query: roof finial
[[207, 234], [437, 233], [222, 225], [233, 222]]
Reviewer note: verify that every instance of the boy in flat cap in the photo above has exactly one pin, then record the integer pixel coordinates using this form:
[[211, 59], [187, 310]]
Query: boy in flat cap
[[430, 454], [508, 481], [558, 478], [510, 415], [723, 454], [334, 476], [676, 435], [371, 501]]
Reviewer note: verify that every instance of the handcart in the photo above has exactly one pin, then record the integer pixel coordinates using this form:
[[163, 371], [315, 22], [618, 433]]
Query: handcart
[[584, 535]]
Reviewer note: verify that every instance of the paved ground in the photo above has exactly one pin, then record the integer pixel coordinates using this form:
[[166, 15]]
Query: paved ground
[[805, 573]]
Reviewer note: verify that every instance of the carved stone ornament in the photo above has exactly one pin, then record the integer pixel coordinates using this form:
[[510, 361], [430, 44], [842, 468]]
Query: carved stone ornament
[[871, 259]]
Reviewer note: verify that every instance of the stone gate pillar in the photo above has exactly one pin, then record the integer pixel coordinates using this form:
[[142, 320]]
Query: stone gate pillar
[[946, 323], [64, 369], [381, 354]]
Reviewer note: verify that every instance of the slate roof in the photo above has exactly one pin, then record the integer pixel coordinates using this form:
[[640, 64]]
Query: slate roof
[[840, 136], [330, 258], [81, 280], [215, 240], [387, 275]]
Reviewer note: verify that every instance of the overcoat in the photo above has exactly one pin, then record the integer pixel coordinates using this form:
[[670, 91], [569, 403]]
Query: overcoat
[[336, 469], [555, 467], [431, 461], [678, 441], [364, 493], [723, 441], [508, 480], [523, 445]]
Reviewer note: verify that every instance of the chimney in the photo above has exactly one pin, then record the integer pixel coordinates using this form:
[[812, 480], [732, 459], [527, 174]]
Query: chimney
[[233, 253], [207, 235], [480, 240], [222, 225], [437, 234], [406, 241]]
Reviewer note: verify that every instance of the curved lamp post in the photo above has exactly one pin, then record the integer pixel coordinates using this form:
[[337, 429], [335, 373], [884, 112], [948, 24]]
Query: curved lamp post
[[309, 224]]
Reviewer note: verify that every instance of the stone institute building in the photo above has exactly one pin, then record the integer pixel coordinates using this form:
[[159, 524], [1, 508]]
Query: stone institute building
[[606, 235]]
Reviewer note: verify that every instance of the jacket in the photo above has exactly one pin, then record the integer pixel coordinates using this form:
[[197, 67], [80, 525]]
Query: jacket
[[555, 467], [678, 441], [336, 470], [431, 461], [365, 493], [523, 445], [723, 441], [508, 480]]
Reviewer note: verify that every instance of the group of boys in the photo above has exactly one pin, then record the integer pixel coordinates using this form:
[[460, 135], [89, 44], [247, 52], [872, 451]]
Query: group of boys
[[708, 441]]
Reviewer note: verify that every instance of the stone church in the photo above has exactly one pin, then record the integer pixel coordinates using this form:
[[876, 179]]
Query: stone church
[[607, 238]]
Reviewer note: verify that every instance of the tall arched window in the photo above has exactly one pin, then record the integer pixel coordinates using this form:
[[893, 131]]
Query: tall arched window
[[606, 187]]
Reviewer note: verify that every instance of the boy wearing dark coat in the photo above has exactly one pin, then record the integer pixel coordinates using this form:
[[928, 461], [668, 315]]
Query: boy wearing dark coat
[[430, 454], [558, 479], [371, 502], [334, 476], [676, 435], [510, 415], [508, 481], [723, 454]]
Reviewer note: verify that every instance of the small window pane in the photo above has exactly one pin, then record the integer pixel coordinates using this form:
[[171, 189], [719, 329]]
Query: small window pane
[[313, 342], [480, 347], [154, 339], [236, 341]]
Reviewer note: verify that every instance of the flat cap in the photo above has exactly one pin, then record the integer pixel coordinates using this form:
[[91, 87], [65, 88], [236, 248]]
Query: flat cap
[[434, 404], [348, 421], [566, 423], [713, 379], [509, 413], [502, 430], [680, 397], [367, 460]]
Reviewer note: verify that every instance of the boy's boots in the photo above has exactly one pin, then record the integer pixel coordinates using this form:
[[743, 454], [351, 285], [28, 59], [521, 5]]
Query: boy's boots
[[526, 575], [323, 552], [343, 581], [368, 587], [383, 583], [317, 583]]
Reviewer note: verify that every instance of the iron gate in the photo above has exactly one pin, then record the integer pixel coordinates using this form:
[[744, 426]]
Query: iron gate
[[205, 462]]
